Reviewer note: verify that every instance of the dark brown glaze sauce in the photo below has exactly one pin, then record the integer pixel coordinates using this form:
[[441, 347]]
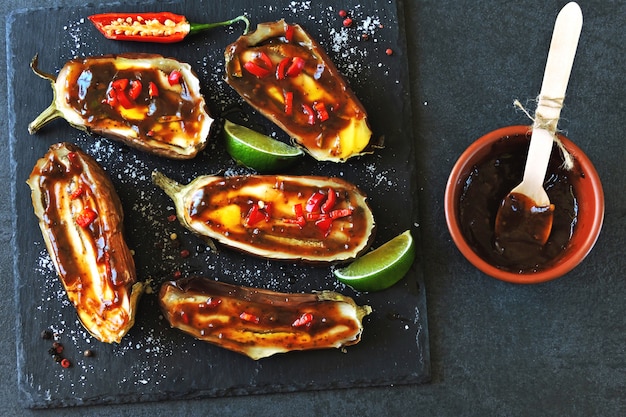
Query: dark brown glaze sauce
[[214, 196], [267, 312], [90, 80], [57, 180], [342, 107], [488, 184]]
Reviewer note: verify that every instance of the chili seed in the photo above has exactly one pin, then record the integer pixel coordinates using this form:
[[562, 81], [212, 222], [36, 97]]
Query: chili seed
[[347, 22], [66, 363]]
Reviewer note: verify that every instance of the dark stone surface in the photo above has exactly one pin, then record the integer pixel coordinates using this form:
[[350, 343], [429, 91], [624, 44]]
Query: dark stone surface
[[496, 349]]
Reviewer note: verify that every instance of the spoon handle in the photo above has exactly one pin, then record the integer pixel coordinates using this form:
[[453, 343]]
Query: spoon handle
[[555, 79]]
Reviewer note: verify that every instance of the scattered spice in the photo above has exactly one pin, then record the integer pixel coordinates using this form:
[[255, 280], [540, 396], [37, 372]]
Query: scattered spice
[[343, 13], [185, 253], [347, 22], [66, 363], [171, 218], [88, 353], [389, 51]]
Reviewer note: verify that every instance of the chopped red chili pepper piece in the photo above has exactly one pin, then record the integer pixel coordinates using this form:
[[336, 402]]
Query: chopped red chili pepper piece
[[331, 200], [288, 102], [86, 217], [281, 69], [120, 84], [77, 192], [308, 111], [153, 90], [303, 320], [322, 113], [324, 224], [185, 317], [296, 67], [212, 302], [135, 89], [249, 317], [174, 77], [256, 70], [336, 214], [314, 202], [255, 215], [266, 59], [123, 99], [289, 33]]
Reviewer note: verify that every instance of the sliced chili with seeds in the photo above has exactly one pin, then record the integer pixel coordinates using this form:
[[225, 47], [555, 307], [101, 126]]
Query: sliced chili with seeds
[[86, 217]]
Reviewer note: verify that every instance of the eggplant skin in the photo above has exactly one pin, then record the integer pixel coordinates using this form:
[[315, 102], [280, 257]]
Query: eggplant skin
[[221, 208], [260, 323], [165, 118], [314, 105], [81, 220]]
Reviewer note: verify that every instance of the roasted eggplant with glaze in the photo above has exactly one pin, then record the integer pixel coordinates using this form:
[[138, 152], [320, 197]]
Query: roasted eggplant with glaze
[[286, 75], [260, 323], [147, 101], [81, 219], [297, 218]]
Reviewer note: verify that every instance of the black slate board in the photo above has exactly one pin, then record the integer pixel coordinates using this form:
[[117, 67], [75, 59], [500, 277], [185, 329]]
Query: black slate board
[[154, 362]]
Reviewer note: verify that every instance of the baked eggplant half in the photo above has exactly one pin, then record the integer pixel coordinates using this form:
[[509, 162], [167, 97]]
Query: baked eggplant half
[[260, 323], [296, 218], [147, 101], [81, 220], [281, 71]]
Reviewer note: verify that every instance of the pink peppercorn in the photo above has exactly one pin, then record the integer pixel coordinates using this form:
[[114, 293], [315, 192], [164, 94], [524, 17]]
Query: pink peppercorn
[[347, 22], [343, 13]]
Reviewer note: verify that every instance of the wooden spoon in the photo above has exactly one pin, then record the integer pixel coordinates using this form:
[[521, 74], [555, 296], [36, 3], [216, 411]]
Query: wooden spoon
[[525, 215]]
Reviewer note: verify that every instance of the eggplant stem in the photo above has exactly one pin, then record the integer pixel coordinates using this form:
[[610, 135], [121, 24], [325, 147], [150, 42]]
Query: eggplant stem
[[201, 27], [168, 185], [51, 112]]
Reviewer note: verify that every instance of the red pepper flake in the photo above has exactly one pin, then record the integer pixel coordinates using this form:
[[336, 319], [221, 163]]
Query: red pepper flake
[[86, 217], [256, 70], [347, 22], [171, 218], [153, 90], [174, 77], [314, 202], [79, 191], [212, 302], [251, 318], [324, 224], [389, 51], [255, 215], [288, 103], [66, 363], [184, 317], [74, 160], [304, 320], [185, 253], [120, 84], [339, 213], [281, 68]]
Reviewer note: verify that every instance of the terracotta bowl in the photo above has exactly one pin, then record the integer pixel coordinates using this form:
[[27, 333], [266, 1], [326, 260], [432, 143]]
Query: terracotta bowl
[[587, 188]]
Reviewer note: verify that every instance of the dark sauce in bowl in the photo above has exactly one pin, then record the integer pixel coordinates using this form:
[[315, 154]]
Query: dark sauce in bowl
[[490, 181]]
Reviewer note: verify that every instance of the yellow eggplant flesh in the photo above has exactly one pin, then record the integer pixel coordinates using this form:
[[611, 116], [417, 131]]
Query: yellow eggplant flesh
[[272, 216], [287, 76], [147, 101], [260, 323], [81, 220]]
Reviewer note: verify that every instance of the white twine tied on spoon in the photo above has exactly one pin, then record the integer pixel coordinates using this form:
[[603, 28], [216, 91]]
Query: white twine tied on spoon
[[549, 124]]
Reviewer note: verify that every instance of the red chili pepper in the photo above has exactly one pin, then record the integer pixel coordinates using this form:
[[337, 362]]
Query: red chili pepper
[[135, 89], [331, 200], [315, 201], [120, 84], [256, 69], [289, 30], [174, 77], [324, 224], [86, 217], [153, 90], [185, 317], [322, 113], [163, 27], [308, 111], [255, 215], [288, 103], [304, 320], [281, 69], [124, 100], [296, 67], [212, 302], [336, 214], [300, 220], [249, 317], [79, 191]]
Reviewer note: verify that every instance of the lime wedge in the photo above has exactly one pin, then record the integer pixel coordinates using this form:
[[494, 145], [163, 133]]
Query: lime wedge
[[258, 151], [382, 267]]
